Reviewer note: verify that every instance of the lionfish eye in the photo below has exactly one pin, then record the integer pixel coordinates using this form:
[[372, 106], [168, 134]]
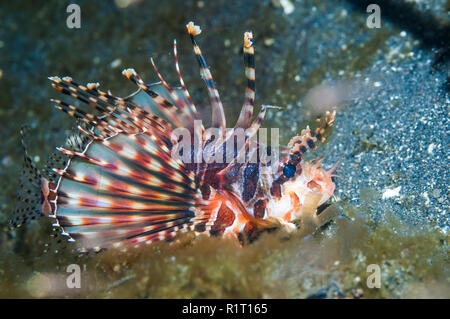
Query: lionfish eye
[[289, 170]]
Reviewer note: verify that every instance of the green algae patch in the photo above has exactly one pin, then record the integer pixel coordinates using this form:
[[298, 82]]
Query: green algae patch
[[332, 263], [204, 268], [407, 257]]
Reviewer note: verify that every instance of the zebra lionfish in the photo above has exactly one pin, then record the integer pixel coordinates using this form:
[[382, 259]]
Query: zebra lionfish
[[119, 183]]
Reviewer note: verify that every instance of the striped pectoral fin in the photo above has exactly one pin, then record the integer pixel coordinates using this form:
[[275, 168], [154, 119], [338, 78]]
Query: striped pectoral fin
[[122, 191], [118, 230]]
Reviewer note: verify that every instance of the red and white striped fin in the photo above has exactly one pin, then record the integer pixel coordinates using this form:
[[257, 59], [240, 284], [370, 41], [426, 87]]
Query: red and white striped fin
[[123, 190]]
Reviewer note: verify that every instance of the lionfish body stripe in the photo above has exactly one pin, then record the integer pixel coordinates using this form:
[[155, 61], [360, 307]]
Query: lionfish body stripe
[[121, 184]]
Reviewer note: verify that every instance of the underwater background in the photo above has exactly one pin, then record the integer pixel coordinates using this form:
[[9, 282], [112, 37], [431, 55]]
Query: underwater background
[[390, 86]]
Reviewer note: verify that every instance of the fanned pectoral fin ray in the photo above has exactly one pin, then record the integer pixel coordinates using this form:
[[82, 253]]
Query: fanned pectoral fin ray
[[122, 191]]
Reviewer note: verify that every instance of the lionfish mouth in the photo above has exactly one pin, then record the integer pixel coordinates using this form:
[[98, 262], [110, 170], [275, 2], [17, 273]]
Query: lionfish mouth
[[118, 182]]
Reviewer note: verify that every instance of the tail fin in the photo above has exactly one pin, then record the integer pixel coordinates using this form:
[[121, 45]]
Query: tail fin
[[31, 199], [29, 195]]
